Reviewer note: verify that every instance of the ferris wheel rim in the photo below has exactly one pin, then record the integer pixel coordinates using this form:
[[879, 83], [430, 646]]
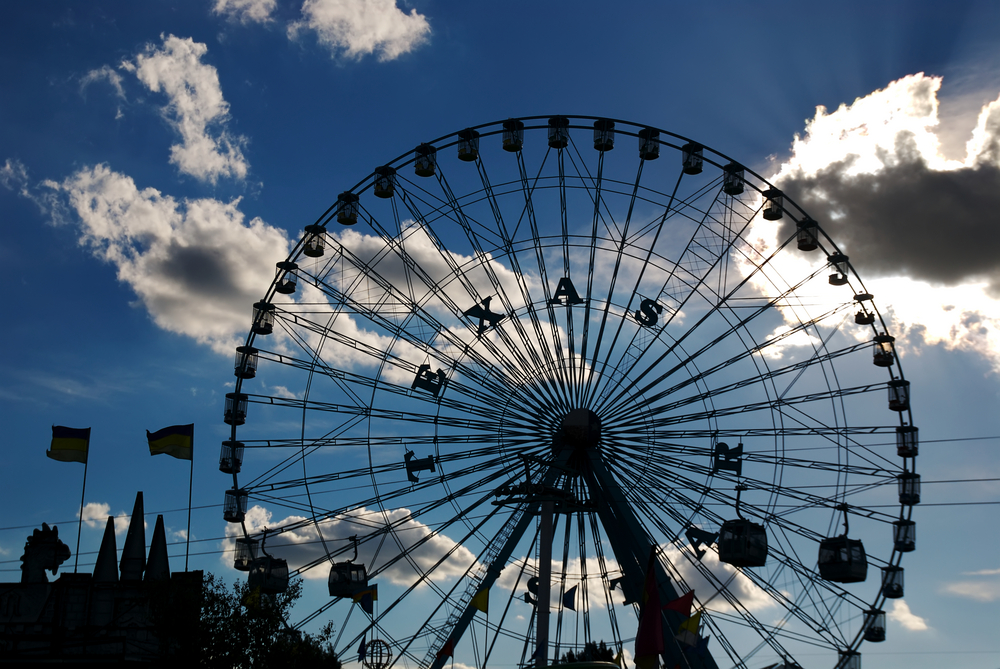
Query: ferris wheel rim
[[406, 159]]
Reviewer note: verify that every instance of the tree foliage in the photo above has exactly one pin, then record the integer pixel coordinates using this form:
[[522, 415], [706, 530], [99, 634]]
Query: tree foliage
[[238, 627], [592, 652]]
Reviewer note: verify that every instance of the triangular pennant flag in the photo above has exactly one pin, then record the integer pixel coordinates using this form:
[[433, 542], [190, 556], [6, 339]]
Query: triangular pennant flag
[[688, 631], [682, 604], [701, 648], [448, 650], [649, 638], [482, 600], [569, 599], [361, 650]]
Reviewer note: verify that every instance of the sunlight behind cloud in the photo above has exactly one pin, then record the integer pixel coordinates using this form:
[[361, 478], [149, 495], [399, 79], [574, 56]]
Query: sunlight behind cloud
[[917, 226]]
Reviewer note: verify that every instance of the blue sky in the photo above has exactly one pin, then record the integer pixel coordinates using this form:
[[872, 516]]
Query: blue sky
[[226, 127]]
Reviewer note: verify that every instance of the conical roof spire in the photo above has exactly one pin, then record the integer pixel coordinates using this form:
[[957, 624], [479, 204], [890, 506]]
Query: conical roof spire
[[158, 565], [105, 571], [133, 561]]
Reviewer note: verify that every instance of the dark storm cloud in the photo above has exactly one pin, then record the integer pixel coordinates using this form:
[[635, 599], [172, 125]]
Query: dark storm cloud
[[908, 219], [200, 271]]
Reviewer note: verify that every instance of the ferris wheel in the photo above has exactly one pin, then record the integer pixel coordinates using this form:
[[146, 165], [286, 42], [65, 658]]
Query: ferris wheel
[[529, 377]]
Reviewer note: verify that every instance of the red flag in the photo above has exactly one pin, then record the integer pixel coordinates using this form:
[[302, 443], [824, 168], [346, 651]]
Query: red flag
[[681, 605], [649, 639], [448, 650]]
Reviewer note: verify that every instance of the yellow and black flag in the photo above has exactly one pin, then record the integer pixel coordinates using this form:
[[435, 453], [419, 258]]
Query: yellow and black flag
[[176, 440], [69, 444]]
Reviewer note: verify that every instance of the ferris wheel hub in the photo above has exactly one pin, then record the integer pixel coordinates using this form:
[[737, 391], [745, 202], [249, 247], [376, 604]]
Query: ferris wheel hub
[[580, 429]]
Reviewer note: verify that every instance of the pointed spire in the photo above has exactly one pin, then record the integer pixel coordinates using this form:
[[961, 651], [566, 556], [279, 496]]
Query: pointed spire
[[105, 571], [158, 565], [133, 561]]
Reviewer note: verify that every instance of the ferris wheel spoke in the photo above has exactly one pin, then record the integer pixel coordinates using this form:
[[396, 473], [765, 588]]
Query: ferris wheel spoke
[[620, 239], [695, 264], [473, 423], [716, 307], [354, 380], [345, 477], [592, 185], [774, 522], [499, 384], [668, 209], [528, 188], [722, 391], [778, 406], [542, 357], [389, 528], [745, 354], [483, 253], [443, 297], [512, 357]]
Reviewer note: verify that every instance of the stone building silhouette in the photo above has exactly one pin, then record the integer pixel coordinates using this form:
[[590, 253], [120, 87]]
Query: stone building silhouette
[[100, 619]]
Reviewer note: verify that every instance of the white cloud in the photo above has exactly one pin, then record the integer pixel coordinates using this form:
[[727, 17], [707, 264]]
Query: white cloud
[[195, 265], [514, 577], [982, 572], [918, 226], [96, 514], [104, 73], [13, 175], [195, 108], [282, 391], [751, 597], [901, 614], [303, 545], [357, 28], [981, 591], [245, 11]]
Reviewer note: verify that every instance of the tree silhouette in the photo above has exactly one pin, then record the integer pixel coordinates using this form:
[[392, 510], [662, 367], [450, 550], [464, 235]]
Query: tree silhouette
[[238, 627]]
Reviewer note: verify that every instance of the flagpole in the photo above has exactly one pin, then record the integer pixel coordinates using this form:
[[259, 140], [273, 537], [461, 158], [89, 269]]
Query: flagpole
[[187, 547], [79, 527]]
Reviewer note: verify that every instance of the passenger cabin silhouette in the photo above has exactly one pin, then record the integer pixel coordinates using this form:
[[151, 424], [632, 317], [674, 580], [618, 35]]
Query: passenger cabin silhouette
[[348, 578], [742, 542], [268, 573], [841, 559]]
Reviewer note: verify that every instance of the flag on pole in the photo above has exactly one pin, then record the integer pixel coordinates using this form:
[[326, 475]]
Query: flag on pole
[[569, 598], [681, 605], [362, 650], [366, 599], [701, 648], [176, 440], [649, 638], [69, 444], [688, 631], [482, 600]]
